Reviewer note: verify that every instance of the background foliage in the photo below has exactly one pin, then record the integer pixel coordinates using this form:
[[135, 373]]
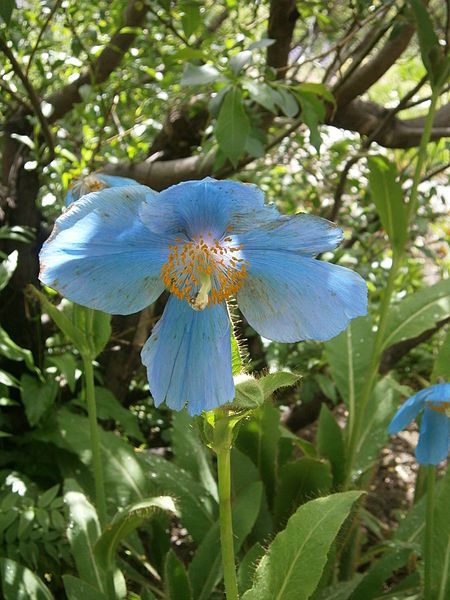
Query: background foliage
[[321, 104]]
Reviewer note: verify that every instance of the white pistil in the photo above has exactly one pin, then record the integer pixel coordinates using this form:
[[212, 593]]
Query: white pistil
[[201, 300]]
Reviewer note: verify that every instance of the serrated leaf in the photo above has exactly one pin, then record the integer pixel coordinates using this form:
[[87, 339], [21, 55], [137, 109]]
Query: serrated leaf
[[126, 521], [387, 195], [294, 562], [233, 126], [249, 393], [176, 580], [299, 481], [19, 583], [194, 75], [274, 381], [417, 313]]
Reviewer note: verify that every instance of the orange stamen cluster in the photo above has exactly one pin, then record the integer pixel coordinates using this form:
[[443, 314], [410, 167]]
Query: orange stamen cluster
[[441, 407], [217, 265]]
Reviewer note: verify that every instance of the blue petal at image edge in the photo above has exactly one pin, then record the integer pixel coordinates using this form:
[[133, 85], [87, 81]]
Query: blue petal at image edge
[[188, 357], [434, 437], [288, 297], [101, 255]]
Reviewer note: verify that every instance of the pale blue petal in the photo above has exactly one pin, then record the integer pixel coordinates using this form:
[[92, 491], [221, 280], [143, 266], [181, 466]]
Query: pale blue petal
[[101, 255], [434, 438], [407, 412], [439, 392], [288, 297], [306, 234], [188, 358], [207, 206]]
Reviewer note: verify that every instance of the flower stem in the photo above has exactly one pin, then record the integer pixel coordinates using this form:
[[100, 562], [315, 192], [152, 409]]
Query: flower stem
[[100, 499], [429, 526], [226, 525]]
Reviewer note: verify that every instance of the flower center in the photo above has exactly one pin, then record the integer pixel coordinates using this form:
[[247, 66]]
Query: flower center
[[441, 407], [204, 270]]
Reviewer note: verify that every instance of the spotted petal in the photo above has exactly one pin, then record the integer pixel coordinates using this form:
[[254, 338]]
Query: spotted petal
[[206, 206], [188, 358], [434, 438], [101, 255], [288, 297], [306, 234]]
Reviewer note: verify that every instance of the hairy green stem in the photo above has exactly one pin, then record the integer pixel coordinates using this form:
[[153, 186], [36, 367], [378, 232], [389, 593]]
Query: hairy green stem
[[226, 525], [429, 526], [97, 467]]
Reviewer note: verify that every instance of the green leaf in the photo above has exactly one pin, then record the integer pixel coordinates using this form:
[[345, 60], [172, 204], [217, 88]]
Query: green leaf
[[233, 126], [262, 94], [273, 381], [190, 453], [205, 570], [247, 567], [293, 565], [48, 496], [101, 331], [313, 113], [340, 591], [37, 397], [240, 60], [191, 18], [19, 583], [430, 48], [108, 407], [6, 8], [387, 195], [7, 268], [440, 557], [417, 313], [319, 89], [330, 442], [67, 366], [77, 589], [258, 439], [249, 393], [83, 533], [379, 412], [441, 367], [9, 349], [299, 481], [193, 75], [8, 379], [287, 102], [72, 333], [126, 521], [176, 581], [198, 509], [349, 356]]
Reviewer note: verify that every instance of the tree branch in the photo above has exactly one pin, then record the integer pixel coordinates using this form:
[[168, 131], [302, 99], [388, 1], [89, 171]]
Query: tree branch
[[282, 20], [109, 59]]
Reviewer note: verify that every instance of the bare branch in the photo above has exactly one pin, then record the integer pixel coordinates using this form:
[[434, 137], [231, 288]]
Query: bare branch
[[282, 19]]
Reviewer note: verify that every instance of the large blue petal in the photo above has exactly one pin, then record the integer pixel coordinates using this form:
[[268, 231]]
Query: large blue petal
[[306, 234], [434, 438], [188, 358], [288, 297], [407, 412], [101, 255], [439, 392], [208, 206]]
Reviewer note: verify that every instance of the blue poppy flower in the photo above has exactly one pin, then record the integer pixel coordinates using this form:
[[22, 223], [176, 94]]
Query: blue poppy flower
[[117, 250], [434, 436], [94, 183]]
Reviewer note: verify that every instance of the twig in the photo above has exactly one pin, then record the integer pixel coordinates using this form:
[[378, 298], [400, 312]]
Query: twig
[[41, 33]]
